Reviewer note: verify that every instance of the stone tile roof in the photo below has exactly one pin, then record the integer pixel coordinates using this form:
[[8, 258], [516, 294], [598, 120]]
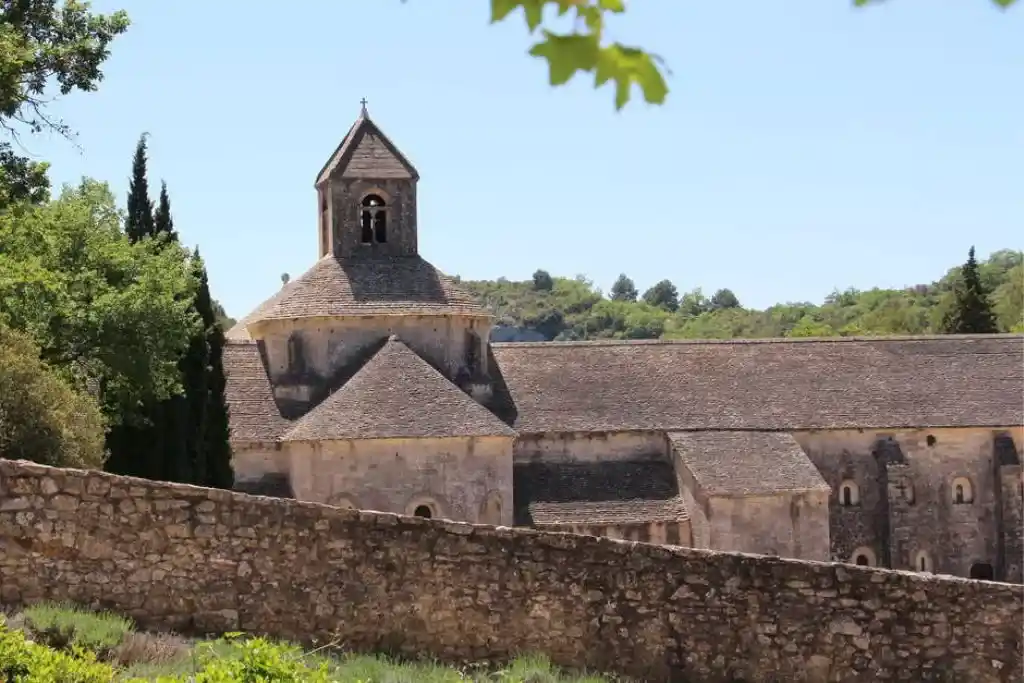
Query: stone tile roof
[[746, 463], [254, 413], [365, 152], [239, 331], [377, 285], [397, 394], [952, 381], [607, 492]]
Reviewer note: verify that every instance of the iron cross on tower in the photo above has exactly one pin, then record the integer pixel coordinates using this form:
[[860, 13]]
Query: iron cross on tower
[[363, 102]]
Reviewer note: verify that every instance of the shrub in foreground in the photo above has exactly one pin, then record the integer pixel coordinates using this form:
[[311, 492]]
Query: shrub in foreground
[[23, 661]]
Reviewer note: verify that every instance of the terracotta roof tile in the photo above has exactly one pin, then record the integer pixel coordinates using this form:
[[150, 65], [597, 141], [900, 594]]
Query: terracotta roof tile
[[397, 394], [379, 285], [254, 413], [596, 493], [746, 463], [952, 381]]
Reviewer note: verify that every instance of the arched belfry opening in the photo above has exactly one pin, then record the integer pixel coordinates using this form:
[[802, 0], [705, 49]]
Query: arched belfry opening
[[373, 219]]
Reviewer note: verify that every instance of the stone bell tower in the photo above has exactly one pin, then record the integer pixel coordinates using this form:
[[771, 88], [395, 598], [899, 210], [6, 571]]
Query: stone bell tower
[[367, 197]]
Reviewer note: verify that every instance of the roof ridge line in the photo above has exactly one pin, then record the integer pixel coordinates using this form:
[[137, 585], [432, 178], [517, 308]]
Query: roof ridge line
[[757, 340]]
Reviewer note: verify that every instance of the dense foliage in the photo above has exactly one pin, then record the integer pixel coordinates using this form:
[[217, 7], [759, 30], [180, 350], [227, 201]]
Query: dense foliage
[[107, 313], [42, 417], [574, 309], [185, 435]]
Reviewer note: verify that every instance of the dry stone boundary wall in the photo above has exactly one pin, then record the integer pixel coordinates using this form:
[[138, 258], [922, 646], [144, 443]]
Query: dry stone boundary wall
[[187, 558]]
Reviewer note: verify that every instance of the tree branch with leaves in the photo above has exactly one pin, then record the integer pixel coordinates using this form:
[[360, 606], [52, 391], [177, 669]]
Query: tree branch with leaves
[[584, 48], [42, 44]]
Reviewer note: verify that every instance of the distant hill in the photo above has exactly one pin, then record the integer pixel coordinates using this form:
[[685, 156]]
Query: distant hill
[[557, 308]]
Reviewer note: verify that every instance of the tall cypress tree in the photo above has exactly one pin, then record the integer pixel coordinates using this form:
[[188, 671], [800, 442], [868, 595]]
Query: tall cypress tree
[[163, 223], [174, 414], [194, 373], [213, 454], [139, 221], [135, 445], [971, 312]]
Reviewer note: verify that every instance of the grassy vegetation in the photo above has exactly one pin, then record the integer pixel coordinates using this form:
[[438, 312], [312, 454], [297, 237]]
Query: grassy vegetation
[[55, 643]]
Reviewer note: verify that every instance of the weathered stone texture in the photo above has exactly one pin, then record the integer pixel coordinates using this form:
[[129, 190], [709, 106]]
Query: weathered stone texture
[[181, 557]]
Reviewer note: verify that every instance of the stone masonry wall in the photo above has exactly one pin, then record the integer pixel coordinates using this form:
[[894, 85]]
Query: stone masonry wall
[[181, 557]]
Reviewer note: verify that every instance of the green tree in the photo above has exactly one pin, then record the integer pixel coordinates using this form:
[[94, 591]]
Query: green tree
[[163, 223], [624, 289], [971, 312], [43, 48], [102, 309], [807, 326], [694, 303], [139, 221], [663, 295], [42, 417], [542, 281], [724, 298], [211, 451]]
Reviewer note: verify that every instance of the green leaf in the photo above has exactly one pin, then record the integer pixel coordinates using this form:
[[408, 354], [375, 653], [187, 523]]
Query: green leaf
[[501, 9], [626, 66], [534, 11], [566, 55]]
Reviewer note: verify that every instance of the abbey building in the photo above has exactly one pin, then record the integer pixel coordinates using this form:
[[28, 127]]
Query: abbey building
[[370, 382]]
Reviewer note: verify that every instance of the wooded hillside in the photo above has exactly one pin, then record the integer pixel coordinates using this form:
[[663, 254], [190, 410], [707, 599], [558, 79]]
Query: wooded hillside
[[557, 308]]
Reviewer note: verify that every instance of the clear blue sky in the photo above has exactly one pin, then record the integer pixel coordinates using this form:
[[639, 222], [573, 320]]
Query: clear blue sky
[[805, 145]]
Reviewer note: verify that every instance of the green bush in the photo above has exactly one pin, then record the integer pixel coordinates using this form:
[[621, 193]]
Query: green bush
[[44, 418], [66, 627], [22, 661]]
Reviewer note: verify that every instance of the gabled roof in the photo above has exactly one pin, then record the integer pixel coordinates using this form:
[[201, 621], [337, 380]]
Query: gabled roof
[[746, 463], [397, 394], [789, 384], [369, 285], [607, 492], [365, 152], [254, 413]]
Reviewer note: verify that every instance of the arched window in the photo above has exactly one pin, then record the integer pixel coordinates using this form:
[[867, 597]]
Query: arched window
[[922, 561], [472, 352], [323, 223], [982, 571], [426, 506], [849, 493], [963, 492], [295, 357], [864, 557], [373, 220]]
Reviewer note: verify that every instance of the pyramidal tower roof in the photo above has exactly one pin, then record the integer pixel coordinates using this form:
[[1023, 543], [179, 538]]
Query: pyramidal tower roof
[[367, 152], [397, 394]]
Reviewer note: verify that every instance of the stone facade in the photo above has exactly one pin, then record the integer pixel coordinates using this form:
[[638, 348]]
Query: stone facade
[[905, 508], [192, 559], [369, 381]]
